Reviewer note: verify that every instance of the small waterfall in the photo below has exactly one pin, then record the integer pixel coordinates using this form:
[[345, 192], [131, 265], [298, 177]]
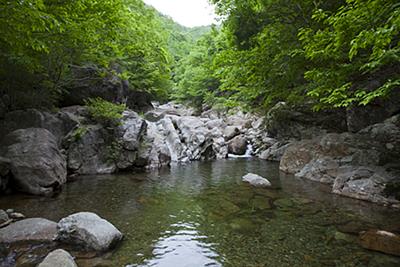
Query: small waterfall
[[247, 154]]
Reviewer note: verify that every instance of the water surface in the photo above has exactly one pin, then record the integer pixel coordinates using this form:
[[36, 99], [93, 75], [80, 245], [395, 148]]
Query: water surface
[[201, 214]]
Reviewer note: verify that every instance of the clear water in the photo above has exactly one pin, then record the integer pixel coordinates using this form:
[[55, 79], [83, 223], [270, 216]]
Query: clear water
[[201, 214]]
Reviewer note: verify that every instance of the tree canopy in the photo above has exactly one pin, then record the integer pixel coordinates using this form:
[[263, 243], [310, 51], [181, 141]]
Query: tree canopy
[[333, 54]]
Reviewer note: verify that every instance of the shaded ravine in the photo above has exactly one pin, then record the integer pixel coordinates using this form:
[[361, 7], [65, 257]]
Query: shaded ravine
[[200, 214]]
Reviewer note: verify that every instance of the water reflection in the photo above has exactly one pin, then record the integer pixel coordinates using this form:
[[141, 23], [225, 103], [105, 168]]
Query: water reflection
[[201, 214], [182, 245]]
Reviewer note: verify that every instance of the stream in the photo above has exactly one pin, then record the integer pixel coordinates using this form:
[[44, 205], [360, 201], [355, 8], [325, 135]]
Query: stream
[[201, 214]]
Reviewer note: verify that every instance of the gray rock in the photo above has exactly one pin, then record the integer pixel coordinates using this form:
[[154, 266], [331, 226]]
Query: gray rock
[[237, 145], [34, 230], [131, 130], [153, 151], [256, 180], [3, 217], [5, 173], [89, 231], [275, 152], [37, 165], [360, 117], [365, 183], [323, 170], [91, 153], [17, 216], [301, 122], [217, 123], [59, 124], [231, 132], [173, 141], [88, 83], [58, 258], [298, 155]]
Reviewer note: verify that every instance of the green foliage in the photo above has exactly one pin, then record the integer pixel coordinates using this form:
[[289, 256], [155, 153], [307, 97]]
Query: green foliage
[[332, 53], [41, 39], [104, 111], [356, 44], [79, 133]]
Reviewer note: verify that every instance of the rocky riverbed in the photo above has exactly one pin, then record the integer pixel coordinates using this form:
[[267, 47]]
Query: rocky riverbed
[[41, 151]]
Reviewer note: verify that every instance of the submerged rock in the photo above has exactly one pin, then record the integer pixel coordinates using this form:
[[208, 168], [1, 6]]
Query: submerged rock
[[88, 231], [382, 241], [37, 165], [34, 230], [256, 180], [58, 258]]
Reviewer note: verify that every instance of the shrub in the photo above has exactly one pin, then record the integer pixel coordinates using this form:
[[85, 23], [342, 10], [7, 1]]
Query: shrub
[[104, 111]]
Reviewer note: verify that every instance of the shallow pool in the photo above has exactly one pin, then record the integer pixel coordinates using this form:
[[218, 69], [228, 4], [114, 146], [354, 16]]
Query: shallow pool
[[201, 214]]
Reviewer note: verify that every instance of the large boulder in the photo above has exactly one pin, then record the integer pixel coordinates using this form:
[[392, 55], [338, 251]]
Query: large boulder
[[89, 82], [34, 230], [362, 165], [301, 122], [298, 155], [231, 132], [59, 124], [323, 170], [88, 231], [275, 152], [90, 151], [153, 151], [360, 117], [58, 258], [37, 165], [237, 145], [96, 149], [387, 135], [365, 183]]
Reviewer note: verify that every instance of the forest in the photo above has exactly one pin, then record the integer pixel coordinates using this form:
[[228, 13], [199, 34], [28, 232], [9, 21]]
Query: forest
[[330, 54], [269, 138]]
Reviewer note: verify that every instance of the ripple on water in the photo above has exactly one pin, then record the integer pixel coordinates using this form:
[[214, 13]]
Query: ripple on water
[[200, 214], [182, 246]]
